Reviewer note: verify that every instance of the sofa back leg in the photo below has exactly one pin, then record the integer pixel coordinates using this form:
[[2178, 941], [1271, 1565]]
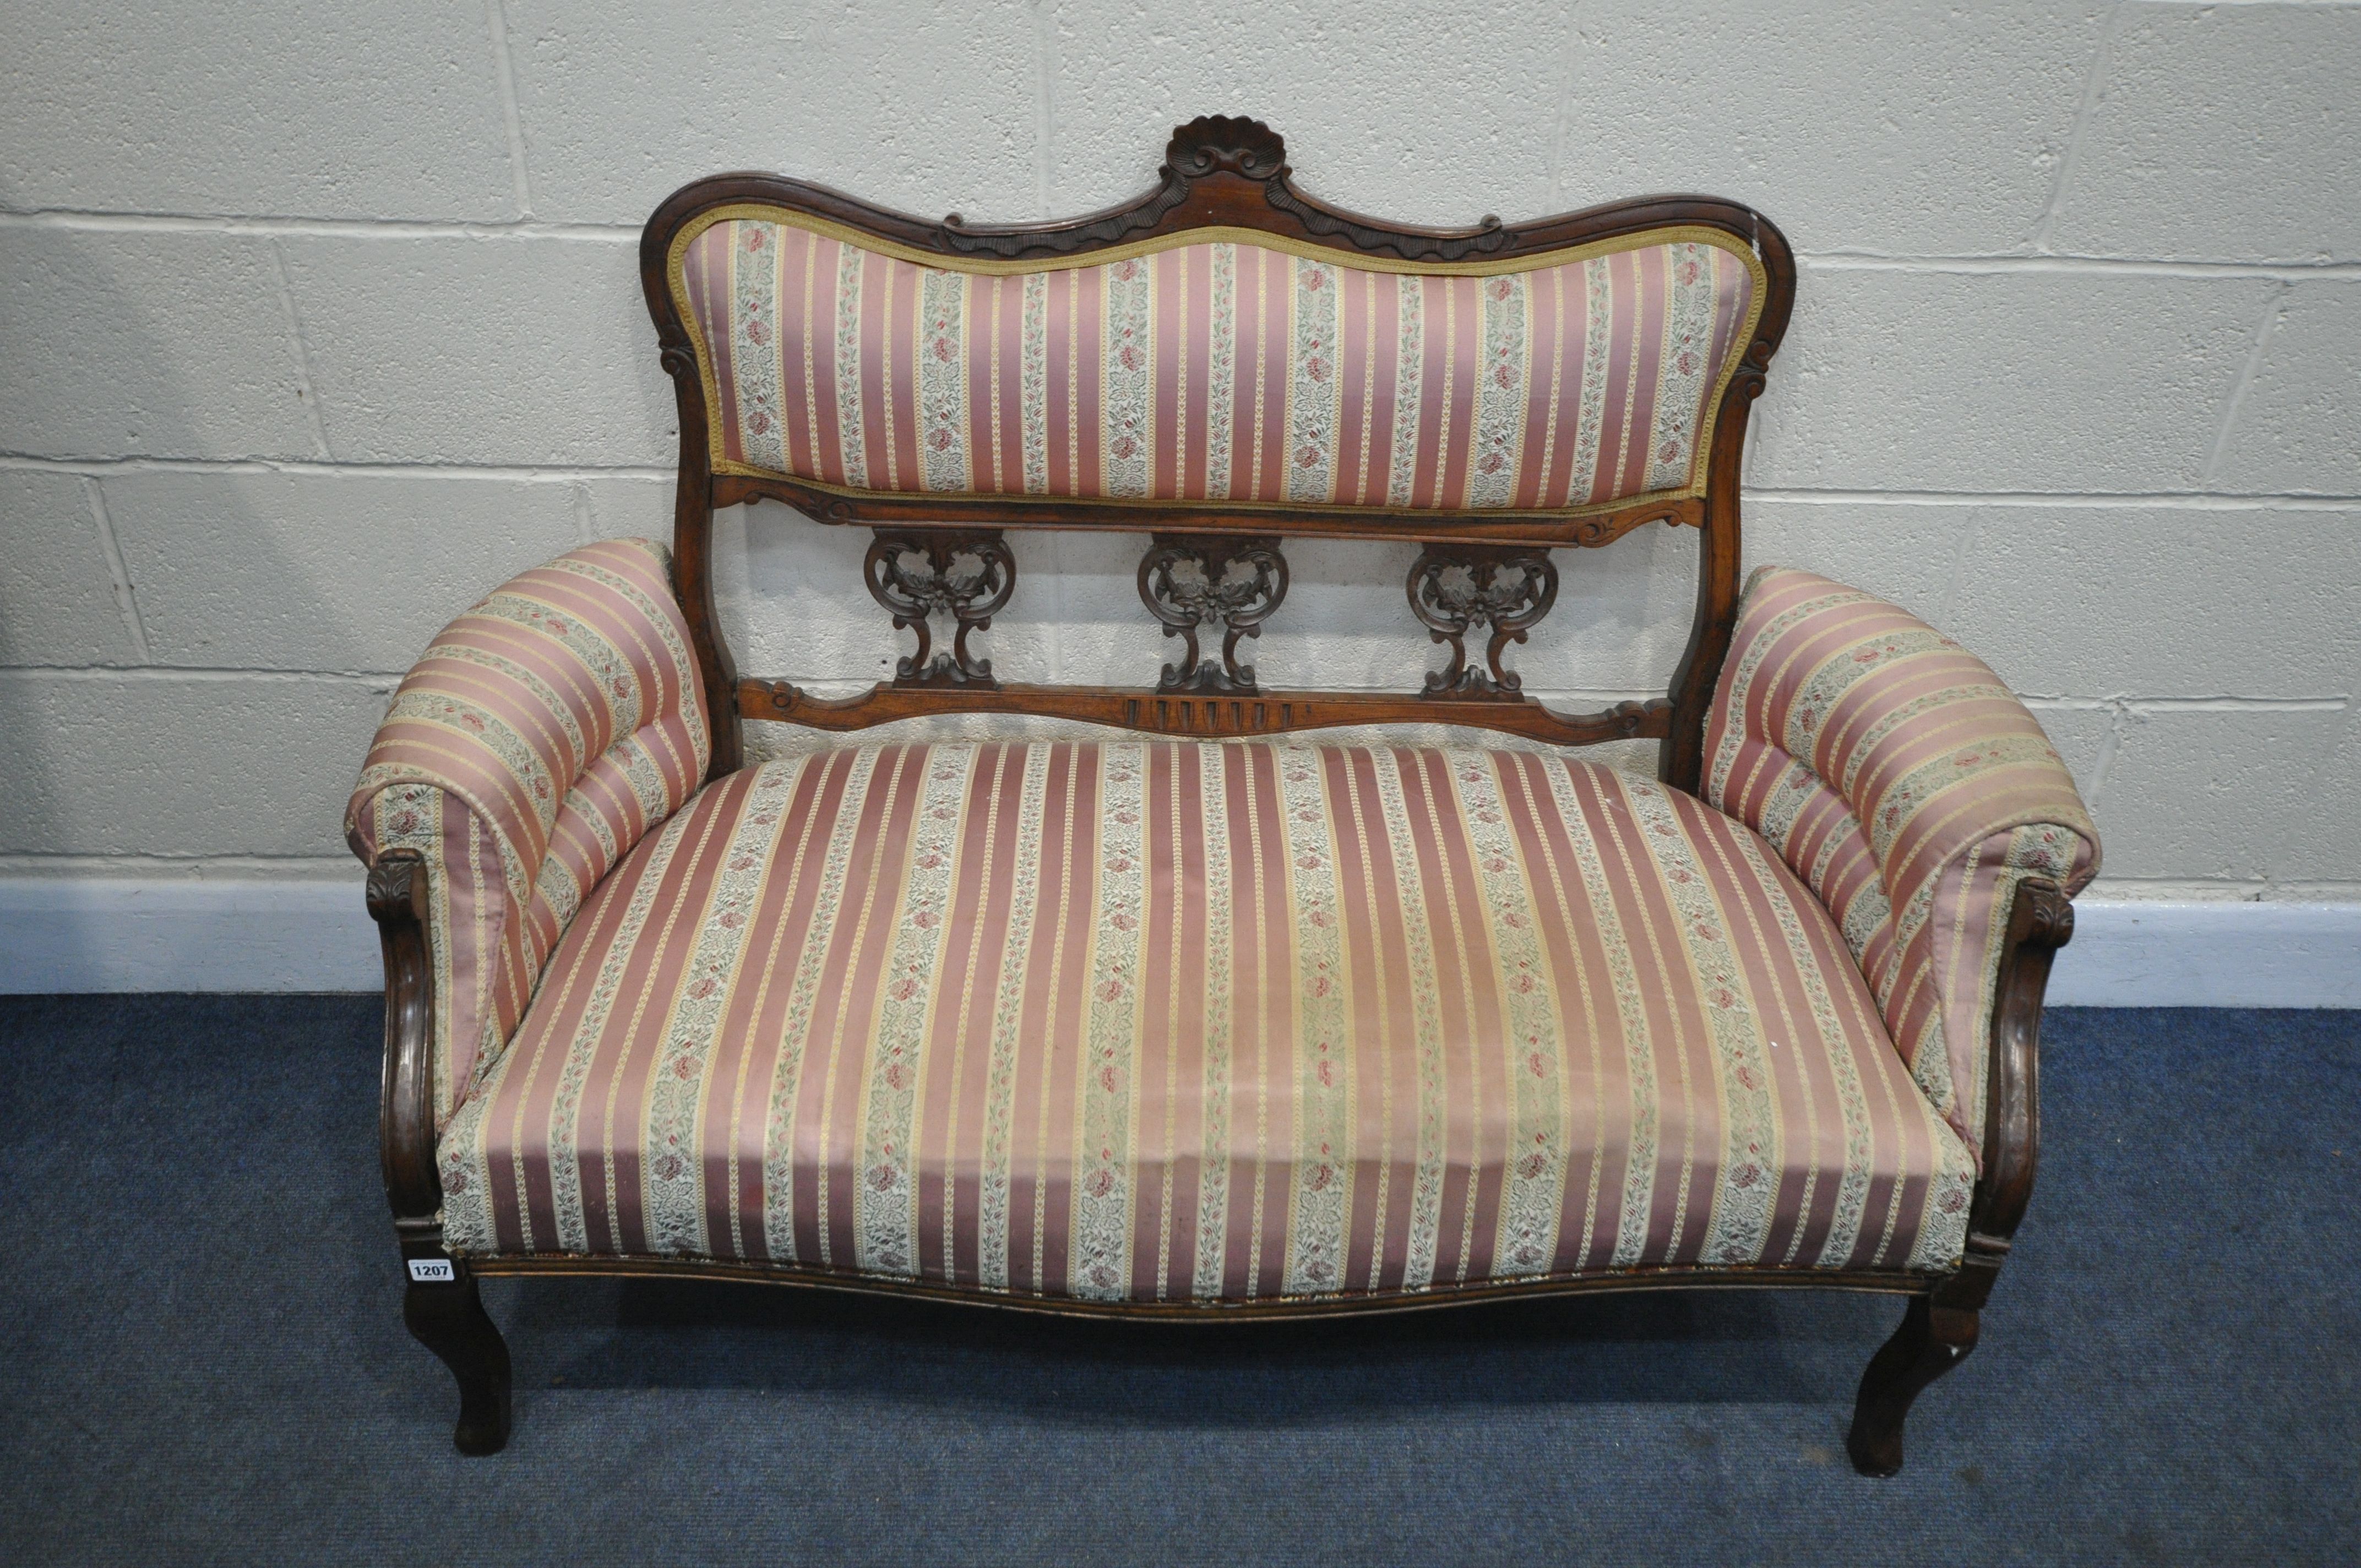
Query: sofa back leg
[[1931, 1341], [447, 1315]]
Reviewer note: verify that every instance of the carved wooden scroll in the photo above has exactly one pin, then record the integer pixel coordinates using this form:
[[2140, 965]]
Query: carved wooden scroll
[[1455, 588], [1190, 581], [966, 576]]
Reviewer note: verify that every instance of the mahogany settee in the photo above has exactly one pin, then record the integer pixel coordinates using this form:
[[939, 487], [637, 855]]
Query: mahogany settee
[[1212, 1020]]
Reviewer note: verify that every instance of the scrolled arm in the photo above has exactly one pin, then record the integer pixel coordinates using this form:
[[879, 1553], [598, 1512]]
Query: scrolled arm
[[1896, 773], [541, 735], [398, 902]]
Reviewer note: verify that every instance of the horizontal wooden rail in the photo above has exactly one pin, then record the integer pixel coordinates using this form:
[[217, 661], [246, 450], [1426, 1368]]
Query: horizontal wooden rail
[[1205, 714]]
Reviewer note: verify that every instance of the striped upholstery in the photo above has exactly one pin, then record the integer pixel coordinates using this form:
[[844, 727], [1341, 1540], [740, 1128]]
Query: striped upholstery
[[1895, 773], [1165, 1021], [540, 736], [1216, 370]]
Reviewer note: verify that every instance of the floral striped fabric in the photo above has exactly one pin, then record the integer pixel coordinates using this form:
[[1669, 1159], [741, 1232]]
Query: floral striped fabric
[[1156, 1021], [540, 736], [1895, 773], [1217, 371]]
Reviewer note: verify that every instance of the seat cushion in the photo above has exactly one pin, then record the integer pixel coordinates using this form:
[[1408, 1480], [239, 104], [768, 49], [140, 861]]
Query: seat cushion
[[1166, 1022]]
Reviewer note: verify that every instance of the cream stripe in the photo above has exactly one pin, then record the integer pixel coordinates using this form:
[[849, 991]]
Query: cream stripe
[[1220, 998], [1008, 1044]]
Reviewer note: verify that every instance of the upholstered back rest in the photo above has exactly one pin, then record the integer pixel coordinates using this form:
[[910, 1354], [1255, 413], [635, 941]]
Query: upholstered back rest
[[1224, 364], [1215, 366]]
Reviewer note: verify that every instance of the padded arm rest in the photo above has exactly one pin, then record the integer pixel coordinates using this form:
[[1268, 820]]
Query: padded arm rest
[[542, 734], [1894, 773]]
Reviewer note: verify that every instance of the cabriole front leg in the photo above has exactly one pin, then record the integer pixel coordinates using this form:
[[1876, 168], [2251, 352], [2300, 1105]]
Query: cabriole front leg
[[1939, 1329], [1931, 1341], [440, 1304], [445, 1313]]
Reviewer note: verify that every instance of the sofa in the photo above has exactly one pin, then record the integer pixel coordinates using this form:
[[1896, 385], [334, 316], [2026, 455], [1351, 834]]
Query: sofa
[[1201, 1000]]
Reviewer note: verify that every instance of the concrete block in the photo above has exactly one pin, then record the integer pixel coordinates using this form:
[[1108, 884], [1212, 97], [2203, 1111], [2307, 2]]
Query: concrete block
[[1893, 129], [2169, 602], [1907, 555], [57, 598], [633, 506], [1383, 109], [928, 108], [180, 767], [2296, 426], [2233, 795], [2007, 380], [2221, 131], [271, 107], [2083, 734], [792, 602], [503, 350], [157, 345], [2102, 600], [323, 572]]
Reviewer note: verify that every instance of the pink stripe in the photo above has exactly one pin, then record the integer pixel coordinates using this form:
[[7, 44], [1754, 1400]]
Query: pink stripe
[[855, 953], [737, 1044], [1057, 302], [1390, 1260], [1614, 422], [1431, 412], [1575, 935], [902, 371], [1558, 485], [1655, 279], [1542, 334], [946, 1138], [1198, 432], [876, 273], [794, 328], [1090, 477], [1069, 1019], [827, 260], [1011, 330], [983, 297], [1166, 281], [791, 894], [1384, 390], [1466, 297], [1278, 360], [1353, 291], [1244, 478], [1456, 989], [620, 1067], [1162, 930]]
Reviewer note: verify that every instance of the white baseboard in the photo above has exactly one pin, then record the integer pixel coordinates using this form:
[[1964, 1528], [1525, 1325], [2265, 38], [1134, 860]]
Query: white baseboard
[[218, 934], [121, 934], [2210, 953]]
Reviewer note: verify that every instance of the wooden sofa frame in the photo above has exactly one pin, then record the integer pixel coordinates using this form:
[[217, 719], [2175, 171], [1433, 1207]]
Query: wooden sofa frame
[[1227, 173]]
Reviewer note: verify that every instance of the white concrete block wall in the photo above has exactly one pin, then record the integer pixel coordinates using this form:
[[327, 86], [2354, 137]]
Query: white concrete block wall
[[319, 320]]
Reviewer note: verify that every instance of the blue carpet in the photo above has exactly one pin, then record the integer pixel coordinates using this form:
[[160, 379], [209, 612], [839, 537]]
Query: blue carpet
[[201, 1360]]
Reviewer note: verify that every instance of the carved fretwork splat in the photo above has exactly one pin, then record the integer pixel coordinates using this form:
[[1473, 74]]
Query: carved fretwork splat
[[1455, 588], [966, 574], [1190, 581]]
